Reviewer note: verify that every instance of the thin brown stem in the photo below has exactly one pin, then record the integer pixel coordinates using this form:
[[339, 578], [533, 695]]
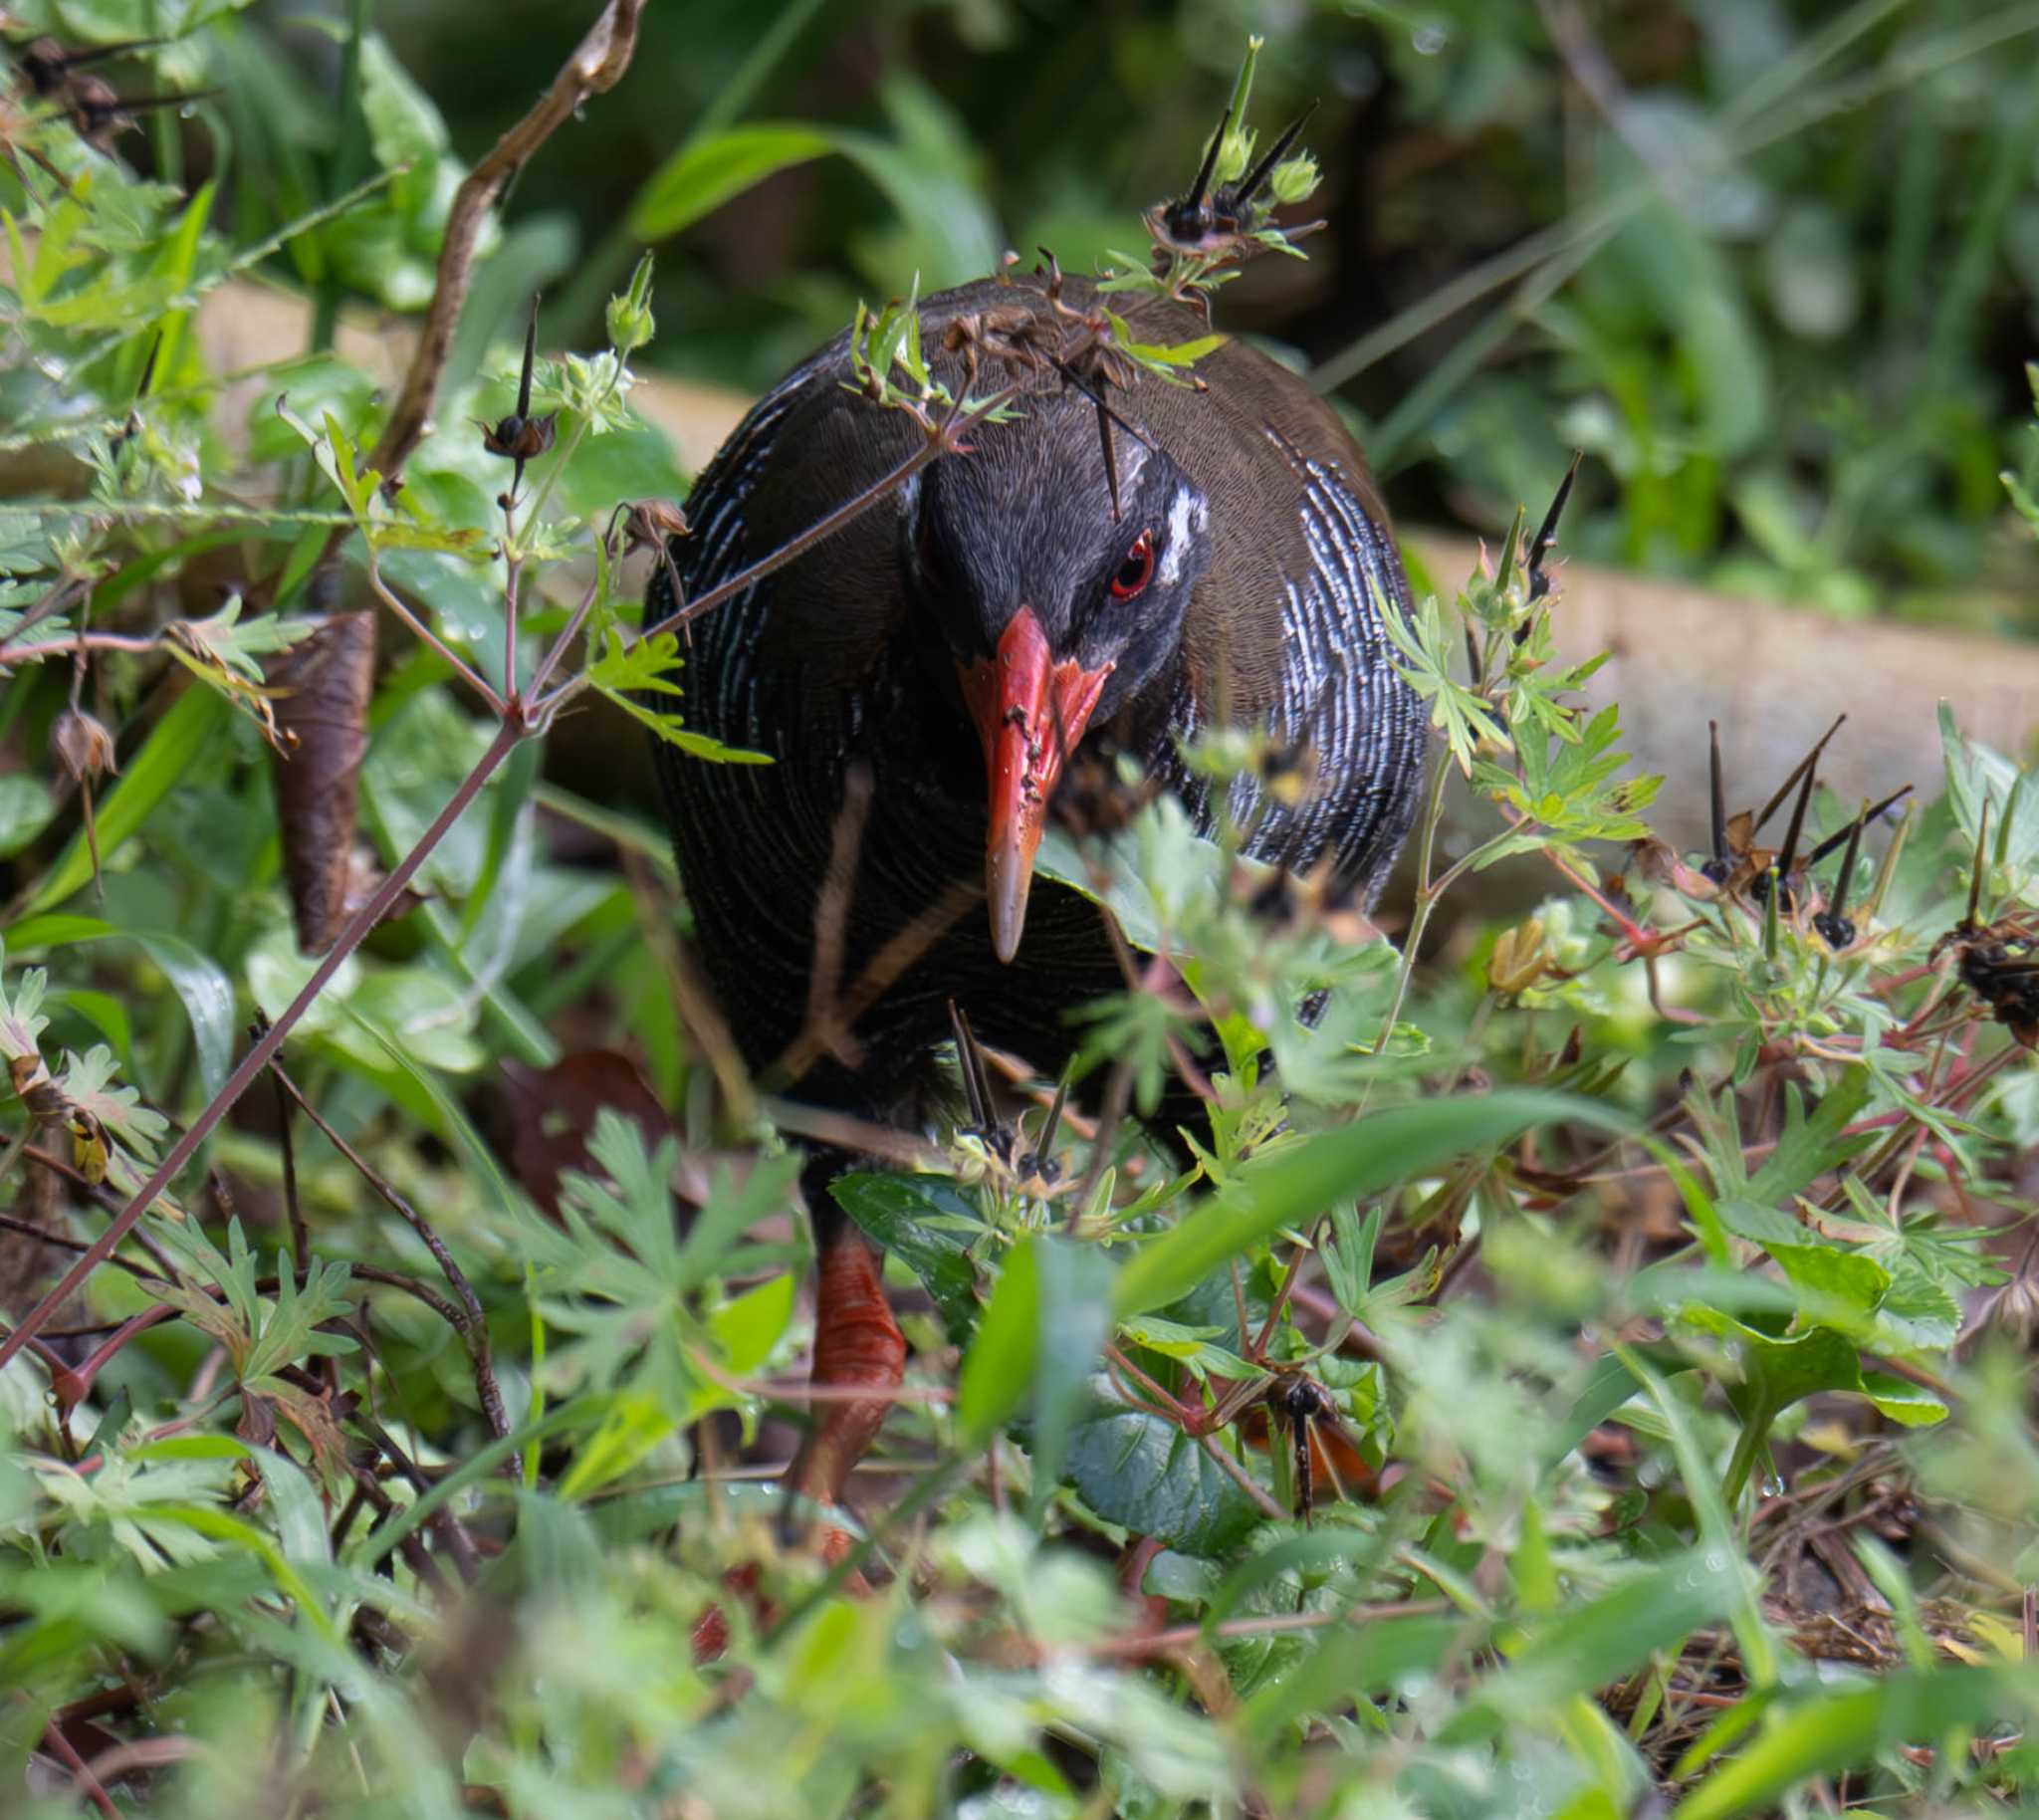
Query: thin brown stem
[[595, 67], [267, 1046], [471, 1324], [424, 634]]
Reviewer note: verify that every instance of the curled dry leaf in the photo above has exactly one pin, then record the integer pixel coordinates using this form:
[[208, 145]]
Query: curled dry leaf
[[324, 686], [82, 745]]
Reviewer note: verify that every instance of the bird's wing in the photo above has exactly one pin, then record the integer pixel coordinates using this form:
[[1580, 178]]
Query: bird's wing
[[1286, 629]]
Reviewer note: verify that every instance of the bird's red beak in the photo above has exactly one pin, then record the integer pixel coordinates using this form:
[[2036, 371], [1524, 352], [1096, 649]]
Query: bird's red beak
[[1030, 713]]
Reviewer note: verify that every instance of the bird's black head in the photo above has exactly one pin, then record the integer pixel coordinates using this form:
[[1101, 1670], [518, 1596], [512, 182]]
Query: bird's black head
[[1055, 610]]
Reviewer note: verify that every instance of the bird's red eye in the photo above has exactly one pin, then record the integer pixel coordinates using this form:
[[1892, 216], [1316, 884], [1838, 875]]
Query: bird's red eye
[[1136, 570]]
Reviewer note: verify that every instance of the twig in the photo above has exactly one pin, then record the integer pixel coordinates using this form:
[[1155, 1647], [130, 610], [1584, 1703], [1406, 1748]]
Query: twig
[[472, 1325], [595, 67], [301, 1238], [81, 1779], [265, 1049], [458, 1542]]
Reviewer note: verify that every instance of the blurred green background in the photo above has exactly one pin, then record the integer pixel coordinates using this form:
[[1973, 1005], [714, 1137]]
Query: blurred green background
[[1774, 267]]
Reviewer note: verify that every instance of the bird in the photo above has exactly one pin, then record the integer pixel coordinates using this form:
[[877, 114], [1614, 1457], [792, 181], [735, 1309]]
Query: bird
[[926, 679]]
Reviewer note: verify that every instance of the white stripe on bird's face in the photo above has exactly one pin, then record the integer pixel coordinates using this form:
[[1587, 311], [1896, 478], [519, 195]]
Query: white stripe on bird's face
[[1187, 516]]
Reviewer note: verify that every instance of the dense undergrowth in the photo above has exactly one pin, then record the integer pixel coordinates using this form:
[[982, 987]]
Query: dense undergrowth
[[1595, 1382]]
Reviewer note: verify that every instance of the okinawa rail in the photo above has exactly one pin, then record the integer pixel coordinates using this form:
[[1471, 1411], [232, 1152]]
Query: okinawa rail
[[924, 679]]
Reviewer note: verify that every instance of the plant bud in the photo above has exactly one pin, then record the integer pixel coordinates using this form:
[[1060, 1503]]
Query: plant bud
[[1295, 179], [1520, 959], [1234, 153], [82, 745], [630, 322]]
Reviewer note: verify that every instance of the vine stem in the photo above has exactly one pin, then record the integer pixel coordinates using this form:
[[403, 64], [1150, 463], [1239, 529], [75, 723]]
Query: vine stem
[[266, 1048]]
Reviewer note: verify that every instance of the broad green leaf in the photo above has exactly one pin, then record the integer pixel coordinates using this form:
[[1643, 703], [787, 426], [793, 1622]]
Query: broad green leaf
[[1902, 1400], [705, 173], [1074, 1315], [898, 1212], [403, 123], [199, 982], [633, 1426], [998, 1370], [1846, 1281], [1318, 1549], [1301, 1181], [1143, 1473], [25, 810], [750, 1325], [208, 1000]]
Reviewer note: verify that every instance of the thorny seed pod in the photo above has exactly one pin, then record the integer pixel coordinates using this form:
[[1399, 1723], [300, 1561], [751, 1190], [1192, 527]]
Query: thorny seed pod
[[1038, 1167], [1996, 961], [82, 745], [1008, 337], [1547, 538], [48, 64], [984, 1124], [521, 437], [1223, 221], [1830, 925], [99, 115], [1736, 862]]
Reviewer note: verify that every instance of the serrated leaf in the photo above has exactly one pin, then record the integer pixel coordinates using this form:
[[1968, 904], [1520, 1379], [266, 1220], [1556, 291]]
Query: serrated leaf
[[1143, 1473], [898, 1212]]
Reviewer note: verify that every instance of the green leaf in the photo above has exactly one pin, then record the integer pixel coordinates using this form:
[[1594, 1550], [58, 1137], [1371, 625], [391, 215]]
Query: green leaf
[[1074, 1315], [1301, 1181], [750, 1325], [403, 125], [707, 173], [207, 996], [897, 1213], [999, 1367], [626, 674], [1809, 1147], [1143, 1473], [1582, 1648], [1312, 1549], [1351, 1662], [25, 810], [1823, 1735], [633, 1426]]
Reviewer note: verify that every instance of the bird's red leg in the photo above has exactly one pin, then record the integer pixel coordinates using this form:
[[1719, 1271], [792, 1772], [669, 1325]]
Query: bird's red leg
[[857, 1346]]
